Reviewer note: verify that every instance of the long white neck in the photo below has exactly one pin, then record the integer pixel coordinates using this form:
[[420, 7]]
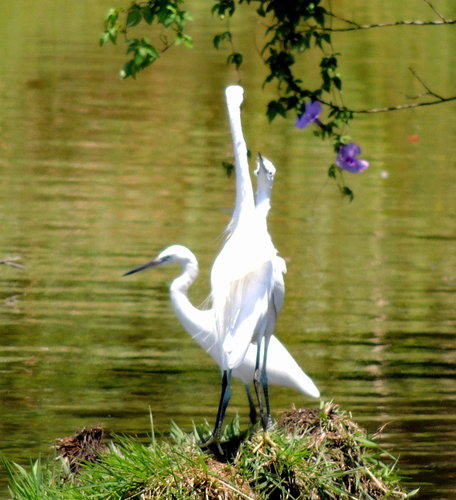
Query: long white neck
[[181, 284], [265, 173], [263, 204], [198, 323], [244, 192]]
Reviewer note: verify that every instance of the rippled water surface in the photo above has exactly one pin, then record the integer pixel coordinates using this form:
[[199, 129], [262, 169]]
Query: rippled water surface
[[97, 175]]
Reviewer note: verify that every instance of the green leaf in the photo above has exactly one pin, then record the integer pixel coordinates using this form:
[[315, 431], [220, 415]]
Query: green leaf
[[226, 35], [332, 171], [319, 15], [326, 37], [184, 39], [112, 16], [112, 33], [337, 82], [148, 14], [133, 17], [168, 20], [346, 191], [235, 58], [132, 45], [141, 56], [224, 6], [104, 38], [229, 167], [275, 108], [128, 69]]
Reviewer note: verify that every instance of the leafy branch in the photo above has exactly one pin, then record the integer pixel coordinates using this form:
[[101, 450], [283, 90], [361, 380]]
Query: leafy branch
[[291, 29], [167, 13]]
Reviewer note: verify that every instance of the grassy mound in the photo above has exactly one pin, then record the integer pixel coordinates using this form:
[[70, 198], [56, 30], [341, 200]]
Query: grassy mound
[[309, 454]]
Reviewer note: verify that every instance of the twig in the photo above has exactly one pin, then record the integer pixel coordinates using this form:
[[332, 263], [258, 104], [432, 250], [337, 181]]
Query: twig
[[434, 9], [11, 261], [348, 21], [356, 26], [389, 108], [428, 90]]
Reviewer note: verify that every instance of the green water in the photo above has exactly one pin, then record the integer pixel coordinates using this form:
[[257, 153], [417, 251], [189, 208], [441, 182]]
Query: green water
[[97, 175]]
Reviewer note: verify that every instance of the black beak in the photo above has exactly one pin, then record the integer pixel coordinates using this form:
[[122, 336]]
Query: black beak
[[260, 164], [152, 263]]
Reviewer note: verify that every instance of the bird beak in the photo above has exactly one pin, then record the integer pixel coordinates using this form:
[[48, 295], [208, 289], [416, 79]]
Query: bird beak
[[260, 164], [152, 263], [268, 168]]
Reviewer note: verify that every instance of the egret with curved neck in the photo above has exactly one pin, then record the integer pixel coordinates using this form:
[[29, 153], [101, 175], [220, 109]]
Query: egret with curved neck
[[200, 324], [282, 369], [247, 288]]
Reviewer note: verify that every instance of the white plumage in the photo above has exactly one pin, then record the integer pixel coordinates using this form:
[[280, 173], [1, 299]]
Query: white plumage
[[200, 324], [247, 288]]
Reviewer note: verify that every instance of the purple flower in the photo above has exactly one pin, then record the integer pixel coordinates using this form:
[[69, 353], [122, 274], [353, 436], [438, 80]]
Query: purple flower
[[311, 114], [347, 158]]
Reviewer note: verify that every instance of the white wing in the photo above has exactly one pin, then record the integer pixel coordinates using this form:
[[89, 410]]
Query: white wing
[[246, 313]]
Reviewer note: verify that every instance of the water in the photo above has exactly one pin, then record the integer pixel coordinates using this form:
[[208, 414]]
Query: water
[[99, 174]]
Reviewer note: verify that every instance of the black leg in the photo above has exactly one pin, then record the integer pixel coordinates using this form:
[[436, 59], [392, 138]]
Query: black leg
[[265, 418], [224, 400], [252, 413], [257, 379]]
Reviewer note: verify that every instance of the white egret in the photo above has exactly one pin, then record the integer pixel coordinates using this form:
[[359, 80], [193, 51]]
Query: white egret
[[282, 369], [265, 173], [200, 324], [245, 295], [247, 288]]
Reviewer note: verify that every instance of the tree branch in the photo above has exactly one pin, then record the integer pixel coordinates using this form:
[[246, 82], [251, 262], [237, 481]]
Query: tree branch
[[428, 90], [389, 108], [434, 9], [355, 26]]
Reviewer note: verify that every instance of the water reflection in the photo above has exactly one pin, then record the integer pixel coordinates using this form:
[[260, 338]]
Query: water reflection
[[97, 175]]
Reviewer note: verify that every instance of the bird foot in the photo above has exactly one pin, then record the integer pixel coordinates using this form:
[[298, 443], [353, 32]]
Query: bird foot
[[264, 440], [213, 442]]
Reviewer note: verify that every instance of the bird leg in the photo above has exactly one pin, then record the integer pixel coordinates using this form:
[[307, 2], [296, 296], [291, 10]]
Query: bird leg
[[224, 399], [257, 379], [266, 418], [252, 413]]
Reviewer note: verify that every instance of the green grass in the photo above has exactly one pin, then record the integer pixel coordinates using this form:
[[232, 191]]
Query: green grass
[[308, 454]]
